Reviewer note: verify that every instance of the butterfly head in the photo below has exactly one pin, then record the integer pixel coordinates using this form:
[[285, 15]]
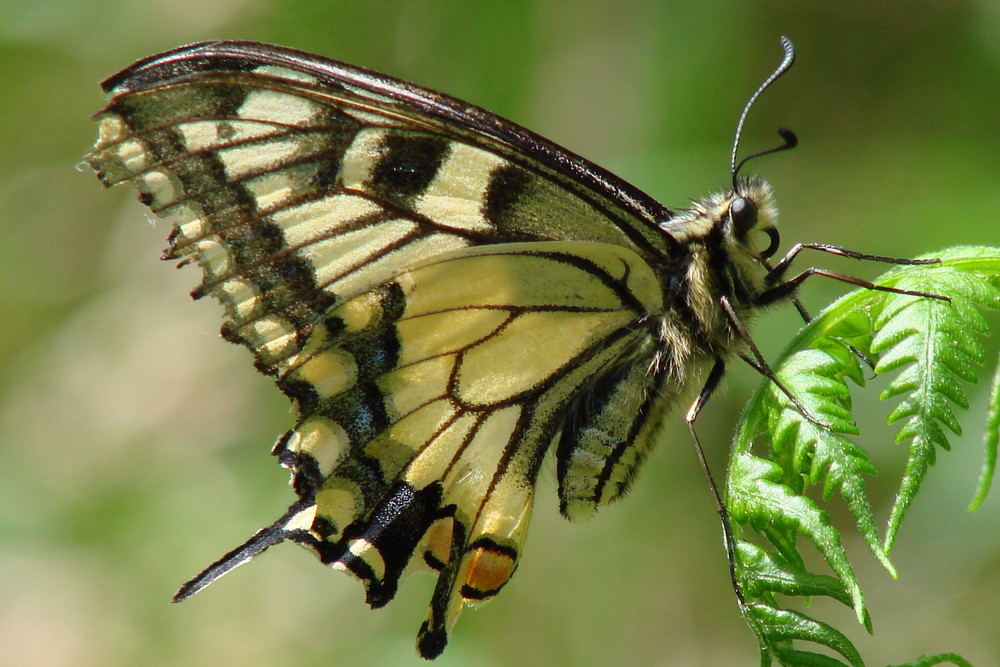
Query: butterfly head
[[741, 221], [748, 224]]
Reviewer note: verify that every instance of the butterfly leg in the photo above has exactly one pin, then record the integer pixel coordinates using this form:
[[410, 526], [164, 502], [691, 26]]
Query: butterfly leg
[[780, 289], [759, 364], [782, 265], [783, 289], [711, 384], [807, 318]]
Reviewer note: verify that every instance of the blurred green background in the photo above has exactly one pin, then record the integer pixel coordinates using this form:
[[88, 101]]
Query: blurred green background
[[134, 441]]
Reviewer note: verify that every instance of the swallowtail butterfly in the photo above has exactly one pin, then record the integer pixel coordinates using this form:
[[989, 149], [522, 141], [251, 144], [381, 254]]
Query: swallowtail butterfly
[[444, 296]]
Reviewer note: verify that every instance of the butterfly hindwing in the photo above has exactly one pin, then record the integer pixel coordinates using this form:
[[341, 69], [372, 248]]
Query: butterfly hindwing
[[438, 443]]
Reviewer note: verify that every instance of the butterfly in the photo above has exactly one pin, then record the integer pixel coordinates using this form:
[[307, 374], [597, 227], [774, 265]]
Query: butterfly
[[445, 297]]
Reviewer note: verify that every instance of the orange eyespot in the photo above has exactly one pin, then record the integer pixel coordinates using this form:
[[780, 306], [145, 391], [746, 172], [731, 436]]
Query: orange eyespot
[[490, 570]]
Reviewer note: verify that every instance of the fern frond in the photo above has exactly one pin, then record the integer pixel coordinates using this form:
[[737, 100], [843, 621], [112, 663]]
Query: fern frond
[[939, 659], [990, 443], [932, 347], [779, 514], [784, 626]]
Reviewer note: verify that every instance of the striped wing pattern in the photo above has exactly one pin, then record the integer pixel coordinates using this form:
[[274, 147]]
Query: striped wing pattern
[[442, 295]]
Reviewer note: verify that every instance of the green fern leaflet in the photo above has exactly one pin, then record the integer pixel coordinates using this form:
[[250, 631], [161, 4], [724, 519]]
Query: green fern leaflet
[[933, 347]]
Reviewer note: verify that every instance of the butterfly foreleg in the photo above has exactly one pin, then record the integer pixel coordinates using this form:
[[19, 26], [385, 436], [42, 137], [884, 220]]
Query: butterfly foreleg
[[782, 265], [778, 288]]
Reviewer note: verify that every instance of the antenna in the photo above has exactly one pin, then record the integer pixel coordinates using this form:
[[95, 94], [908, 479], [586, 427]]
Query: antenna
[[790, 139]]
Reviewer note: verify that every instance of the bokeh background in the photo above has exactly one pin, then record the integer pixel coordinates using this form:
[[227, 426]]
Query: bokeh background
[[134, 442]]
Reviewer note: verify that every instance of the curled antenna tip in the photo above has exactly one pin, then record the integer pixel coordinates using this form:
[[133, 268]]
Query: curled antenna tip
[[791, 140]]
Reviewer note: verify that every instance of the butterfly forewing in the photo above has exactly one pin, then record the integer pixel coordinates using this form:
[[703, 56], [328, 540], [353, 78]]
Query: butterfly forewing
[[442, 294]]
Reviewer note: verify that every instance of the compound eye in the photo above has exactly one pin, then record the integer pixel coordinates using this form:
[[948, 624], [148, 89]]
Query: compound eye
[[743, 213]]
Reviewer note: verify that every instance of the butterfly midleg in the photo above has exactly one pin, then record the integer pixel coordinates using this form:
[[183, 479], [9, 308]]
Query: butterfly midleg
[[807, 318], [759, 364]]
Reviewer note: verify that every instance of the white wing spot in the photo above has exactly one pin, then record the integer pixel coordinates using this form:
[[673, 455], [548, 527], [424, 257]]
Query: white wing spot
[[455, 196], [359, 160], [242, 160], [284, 73], [279, 108]]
